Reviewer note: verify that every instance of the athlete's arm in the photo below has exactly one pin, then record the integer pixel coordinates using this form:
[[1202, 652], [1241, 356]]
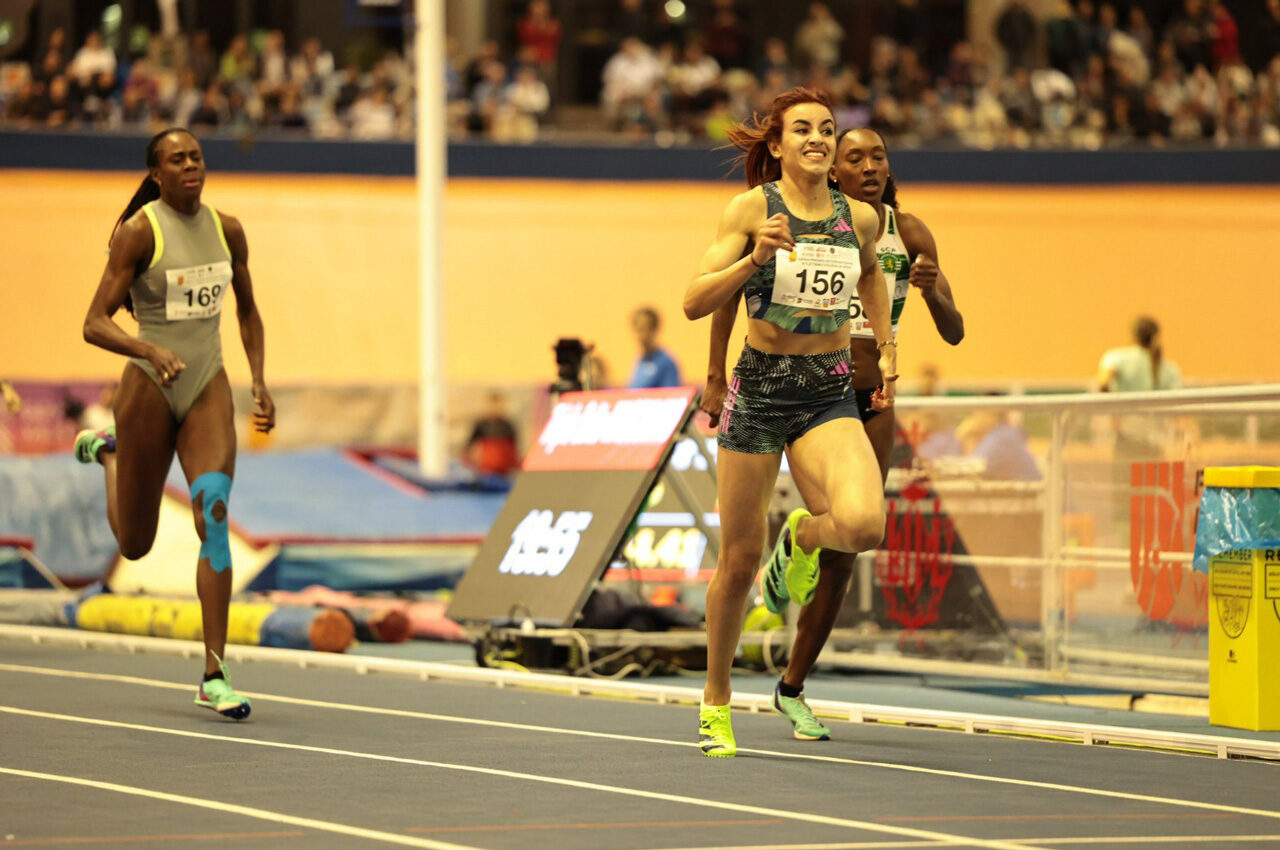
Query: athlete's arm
[[874, 295], [132, 245], [927, 276], [722, 322], [251, 331], [726, 265]]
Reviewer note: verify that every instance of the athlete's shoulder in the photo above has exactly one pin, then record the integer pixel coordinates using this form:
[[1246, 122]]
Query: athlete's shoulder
[[865, 221], [746, 207], [916, 235], [233, 230], [135, 234]]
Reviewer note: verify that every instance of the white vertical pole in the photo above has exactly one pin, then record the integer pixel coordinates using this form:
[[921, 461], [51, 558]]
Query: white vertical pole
[[430, 155]]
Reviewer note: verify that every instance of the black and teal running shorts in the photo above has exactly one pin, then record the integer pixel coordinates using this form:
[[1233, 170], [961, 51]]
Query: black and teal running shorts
[[775, 399]]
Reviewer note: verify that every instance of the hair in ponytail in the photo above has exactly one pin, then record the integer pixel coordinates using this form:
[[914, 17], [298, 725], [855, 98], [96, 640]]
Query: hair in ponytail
[[148, 191], [889, 197], [753, 139]]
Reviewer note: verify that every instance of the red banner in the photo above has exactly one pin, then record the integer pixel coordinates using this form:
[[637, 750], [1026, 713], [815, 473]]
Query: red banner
[[609, 429]]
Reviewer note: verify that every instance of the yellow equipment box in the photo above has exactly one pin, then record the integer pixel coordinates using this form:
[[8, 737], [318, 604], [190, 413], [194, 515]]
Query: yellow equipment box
[[1244, 623]]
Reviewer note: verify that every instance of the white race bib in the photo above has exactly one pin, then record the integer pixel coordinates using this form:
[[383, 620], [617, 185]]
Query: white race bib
[[197, 292], [815, 276]]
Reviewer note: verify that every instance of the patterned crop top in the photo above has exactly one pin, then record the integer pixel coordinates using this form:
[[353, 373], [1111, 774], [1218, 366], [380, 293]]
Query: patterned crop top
[[770, 287]]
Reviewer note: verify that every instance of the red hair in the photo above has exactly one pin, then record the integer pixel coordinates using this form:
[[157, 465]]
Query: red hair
[[753, 139]]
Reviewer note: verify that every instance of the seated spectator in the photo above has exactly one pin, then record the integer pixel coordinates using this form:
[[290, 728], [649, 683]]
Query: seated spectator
[[211, 112], [775, 59], [373, 116], [628, 76], [290, 115], [695, 82], [529, 100], [64, 110], [238, 65], [92, 59]]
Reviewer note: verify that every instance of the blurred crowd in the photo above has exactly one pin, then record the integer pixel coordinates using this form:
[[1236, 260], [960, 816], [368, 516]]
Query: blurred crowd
[[1085, 74], [1082, 75], [255, 84]]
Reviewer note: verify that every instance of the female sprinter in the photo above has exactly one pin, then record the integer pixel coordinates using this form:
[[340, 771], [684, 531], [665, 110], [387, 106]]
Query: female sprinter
[[909, 257], [798, 249], [171, 262]]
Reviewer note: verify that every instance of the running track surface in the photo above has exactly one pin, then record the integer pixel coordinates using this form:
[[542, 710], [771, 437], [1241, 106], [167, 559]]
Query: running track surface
[[105, 750]]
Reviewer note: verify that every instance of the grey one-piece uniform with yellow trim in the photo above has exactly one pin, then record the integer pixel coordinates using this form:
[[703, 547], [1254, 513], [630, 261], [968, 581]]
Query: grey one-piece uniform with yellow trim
[[178, 299]]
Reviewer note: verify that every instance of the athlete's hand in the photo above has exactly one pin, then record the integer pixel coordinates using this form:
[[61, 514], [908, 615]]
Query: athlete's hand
[[924, 275], [882, 398], [712, 402], [167, 364], [264, 417], [775, 233]]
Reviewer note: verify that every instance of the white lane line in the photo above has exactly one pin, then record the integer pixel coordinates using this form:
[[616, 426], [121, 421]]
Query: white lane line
[[1149, 839], [247, 811], [850, 845], [909, 832], [472, 721], [1038, 842]]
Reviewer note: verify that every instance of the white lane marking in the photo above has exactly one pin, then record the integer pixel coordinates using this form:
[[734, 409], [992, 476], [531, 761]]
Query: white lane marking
[[1045, 842], [1149, 839], [850, 845], [948, 838], [247, 811], [931, 771]]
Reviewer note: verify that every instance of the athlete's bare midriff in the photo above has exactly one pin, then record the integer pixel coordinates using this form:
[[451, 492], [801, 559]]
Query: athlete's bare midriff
[[771, 339]]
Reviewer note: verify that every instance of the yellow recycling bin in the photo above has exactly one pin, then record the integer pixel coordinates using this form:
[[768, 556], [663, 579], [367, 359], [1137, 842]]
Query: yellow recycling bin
[[1244, 618]]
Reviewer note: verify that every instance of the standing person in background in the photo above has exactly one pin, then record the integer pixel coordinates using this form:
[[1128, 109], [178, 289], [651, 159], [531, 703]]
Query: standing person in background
[[541, 32], [172, 260], [656, 367], [12, 401], [491, 448], [819, 39], [908, 258], [1139, 367]]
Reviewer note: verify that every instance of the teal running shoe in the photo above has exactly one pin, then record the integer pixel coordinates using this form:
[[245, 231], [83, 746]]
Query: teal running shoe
[[791, 573], [90, 443], [218, 695], [806, 727], [715, 732]]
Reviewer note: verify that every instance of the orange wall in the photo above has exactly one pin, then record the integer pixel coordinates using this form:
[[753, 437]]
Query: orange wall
[[1047, 277]]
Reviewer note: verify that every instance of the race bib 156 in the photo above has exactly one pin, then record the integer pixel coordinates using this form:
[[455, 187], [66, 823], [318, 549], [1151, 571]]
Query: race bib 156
[[197, 292], [815, 276]]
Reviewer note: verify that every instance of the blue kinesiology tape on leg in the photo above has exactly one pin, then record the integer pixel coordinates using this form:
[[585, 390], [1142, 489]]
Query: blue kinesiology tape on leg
[[216, 489]]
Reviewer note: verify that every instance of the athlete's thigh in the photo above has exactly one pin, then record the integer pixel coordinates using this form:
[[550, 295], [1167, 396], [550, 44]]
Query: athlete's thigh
[[837, 460], [145, 438], [814, 499], [744, 486], [207, 436]]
